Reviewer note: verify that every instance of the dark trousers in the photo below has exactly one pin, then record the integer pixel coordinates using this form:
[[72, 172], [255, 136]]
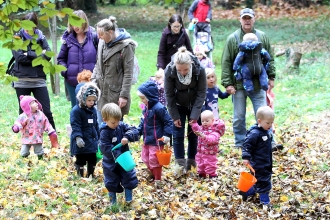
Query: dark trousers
[[42, 95], [82, 158]]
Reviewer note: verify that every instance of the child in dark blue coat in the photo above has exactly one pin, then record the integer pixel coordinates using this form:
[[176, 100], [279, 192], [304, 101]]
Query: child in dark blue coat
[[85, 130], [155, 123], [257, 151], [113, 131]]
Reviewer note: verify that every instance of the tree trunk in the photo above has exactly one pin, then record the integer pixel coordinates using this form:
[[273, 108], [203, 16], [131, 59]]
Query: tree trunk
[[54, 78], [292, 60], [90, 6]]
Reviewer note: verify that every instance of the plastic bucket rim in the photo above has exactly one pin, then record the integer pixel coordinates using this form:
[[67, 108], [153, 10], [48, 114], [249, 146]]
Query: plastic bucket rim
[[126, 161]]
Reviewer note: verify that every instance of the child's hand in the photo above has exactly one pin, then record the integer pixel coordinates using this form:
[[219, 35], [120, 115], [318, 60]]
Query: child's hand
[[246, 162], [124, 141]]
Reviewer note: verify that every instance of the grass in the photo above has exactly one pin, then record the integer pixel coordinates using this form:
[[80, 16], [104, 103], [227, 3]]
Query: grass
[[299, 96]]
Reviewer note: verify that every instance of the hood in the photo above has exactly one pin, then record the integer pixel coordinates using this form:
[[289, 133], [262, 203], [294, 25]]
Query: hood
[[89, 89], [150, 91], [249, 45], [25, 103], [123, 35]]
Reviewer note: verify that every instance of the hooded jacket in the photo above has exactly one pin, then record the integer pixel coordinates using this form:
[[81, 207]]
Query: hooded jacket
[[201, 10], [155, 121], [229, 54], [166, 48], [113, 71], [191, 96], [76, 57], [84, 124], [23, 63]]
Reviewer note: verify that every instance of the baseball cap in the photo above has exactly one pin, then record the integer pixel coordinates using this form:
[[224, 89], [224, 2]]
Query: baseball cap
[[248, 12]]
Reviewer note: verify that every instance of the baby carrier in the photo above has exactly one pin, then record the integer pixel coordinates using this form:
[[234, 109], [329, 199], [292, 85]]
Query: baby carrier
[[202, 36]]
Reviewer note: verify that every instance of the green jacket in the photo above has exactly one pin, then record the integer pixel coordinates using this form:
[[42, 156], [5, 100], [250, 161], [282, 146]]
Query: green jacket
[[229, 54]]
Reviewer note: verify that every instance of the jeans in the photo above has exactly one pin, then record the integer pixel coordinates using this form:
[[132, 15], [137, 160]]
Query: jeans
[[258, 99], [72, 93], [178, 136], [40, 94]]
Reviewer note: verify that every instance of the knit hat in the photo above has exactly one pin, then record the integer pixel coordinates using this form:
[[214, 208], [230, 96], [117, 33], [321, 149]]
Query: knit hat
[[89, 89], [25, 103], [199, 49]]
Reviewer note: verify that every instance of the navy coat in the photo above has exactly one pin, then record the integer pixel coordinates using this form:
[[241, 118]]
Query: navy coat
[[115, 177], [84, 124]]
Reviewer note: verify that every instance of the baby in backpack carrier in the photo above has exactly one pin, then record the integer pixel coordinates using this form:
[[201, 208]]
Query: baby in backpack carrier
[[252, 61]]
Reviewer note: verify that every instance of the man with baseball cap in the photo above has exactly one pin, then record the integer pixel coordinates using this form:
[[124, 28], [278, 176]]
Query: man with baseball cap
[[228, 80]]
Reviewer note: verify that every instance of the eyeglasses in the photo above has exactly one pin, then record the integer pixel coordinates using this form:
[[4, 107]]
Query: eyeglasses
[[176, 26]]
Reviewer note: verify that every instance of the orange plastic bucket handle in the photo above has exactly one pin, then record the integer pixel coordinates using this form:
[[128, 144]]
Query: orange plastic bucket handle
[[249, 166]]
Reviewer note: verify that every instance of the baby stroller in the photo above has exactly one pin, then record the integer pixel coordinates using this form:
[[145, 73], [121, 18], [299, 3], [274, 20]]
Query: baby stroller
[[202, 36]]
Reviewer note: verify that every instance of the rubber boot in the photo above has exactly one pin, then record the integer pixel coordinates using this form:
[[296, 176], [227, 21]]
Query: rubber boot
[[80, 170], [157, 171], [245, 195], [150, 178], [181, 168], [112, 197], [128, 195], [190, 163], [53, 140], [264, 198], [90, 170]]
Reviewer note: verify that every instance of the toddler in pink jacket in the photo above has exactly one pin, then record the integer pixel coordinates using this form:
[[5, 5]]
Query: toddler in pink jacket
[[32, 123], [208, 143]]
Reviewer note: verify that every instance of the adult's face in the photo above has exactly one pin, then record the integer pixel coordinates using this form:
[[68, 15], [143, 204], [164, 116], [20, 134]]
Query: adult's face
[[78, 30], [247, 23], [176, 27], [183, 69], [107, 36]]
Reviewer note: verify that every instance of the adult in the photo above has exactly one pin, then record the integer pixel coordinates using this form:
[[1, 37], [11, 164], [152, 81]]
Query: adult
[[32, 79], [113, 71], [173, 37], [236, 88], [185, 90], [78, 52]]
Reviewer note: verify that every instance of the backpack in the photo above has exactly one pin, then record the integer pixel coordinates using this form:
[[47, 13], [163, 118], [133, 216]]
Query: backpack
[[136, 68]]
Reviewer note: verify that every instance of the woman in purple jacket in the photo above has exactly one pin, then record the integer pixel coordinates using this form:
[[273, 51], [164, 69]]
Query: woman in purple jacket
[[173, 37], [78, 52]]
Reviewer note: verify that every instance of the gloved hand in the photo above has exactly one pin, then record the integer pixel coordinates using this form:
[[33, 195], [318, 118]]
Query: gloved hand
[[53, 139], [15, 129], [80, 142], [166, 139]]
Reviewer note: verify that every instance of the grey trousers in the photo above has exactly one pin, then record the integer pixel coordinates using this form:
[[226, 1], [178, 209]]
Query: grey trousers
[[25, 149]]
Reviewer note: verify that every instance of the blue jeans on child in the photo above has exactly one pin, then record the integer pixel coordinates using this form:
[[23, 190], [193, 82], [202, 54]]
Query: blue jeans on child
[[258, 99]]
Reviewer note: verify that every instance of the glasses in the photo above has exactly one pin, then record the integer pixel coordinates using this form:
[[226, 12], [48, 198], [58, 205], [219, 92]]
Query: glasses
[[176, 26]]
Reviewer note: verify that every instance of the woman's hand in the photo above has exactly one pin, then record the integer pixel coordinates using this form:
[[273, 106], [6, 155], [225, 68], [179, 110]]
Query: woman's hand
[[177, 123], [122, 102]]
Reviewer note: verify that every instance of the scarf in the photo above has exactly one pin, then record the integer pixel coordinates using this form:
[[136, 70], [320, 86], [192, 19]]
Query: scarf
[[29, 37], [185, 80]]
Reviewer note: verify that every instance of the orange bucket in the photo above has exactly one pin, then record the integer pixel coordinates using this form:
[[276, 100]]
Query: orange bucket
[[163, 158], [246, 180]]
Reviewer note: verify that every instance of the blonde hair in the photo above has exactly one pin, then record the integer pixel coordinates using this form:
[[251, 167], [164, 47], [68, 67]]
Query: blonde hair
[[111, 110], [265, 112], [84, 26], [206, 114], [183, 56], [209, 71], [84, 76], [107, 25], [250, 36]]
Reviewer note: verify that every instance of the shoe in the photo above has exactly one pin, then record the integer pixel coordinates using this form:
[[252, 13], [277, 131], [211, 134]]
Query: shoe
[[112, 197], [243, 194], [277, 147]]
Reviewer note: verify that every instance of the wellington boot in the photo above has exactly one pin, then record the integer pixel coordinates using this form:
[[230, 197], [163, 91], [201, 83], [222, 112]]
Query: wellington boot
[[90, 170], [190, 163], [80, 170]]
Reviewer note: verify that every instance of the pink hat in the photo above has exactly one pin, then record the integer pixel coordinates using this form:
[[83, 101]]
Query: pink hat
[[25, 103], [199, 49]]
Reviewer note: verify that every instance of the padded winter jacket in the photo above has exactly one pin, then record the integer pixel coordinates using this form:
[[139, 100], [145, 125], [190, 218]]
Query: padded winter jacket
[[76, 57], [200, 10]]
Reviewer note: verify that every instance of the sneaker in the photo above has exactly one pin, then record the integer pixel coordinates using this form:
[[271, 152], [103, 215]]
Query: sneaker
[[243, 194], [277, 147]]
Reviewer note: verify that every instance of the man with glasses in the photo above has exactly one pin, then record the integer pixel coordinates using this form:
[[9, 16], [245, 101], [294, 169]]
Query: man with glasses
[[228, 80]]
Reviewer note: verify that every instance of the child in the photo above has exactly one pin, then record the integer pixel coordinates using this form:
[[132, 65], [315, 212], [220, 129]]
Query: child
[[82, 78], [113, 131], [203, 59], [213, 92], [156, 123], [257, 151], [208, 140], [33, 122], [159, 80], [85, 130], [252, 60]]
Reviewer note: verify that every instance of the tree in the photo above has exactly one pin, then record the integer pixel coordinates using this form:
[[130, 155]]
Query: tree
[[10, 25]]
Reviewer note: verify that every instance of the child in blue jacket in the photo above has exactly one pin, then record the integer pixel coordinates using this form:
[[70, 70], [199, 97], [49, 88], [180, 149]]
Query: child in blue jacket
[[112, 132], [156, 123]]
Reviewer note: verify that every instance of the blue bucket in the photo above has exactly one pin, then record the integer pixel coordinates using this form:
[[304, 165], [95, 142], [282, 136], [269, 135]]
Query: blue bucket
[[125, 159]]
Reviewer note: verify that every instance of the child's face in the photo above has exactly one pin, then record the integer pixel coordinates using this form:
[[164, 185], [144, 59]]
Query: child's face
[[144, 100], [90, 101], [112, 123], [207, 121], [199, 56], [266, 123], [211, 78], [160, 78], [34, 106]]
